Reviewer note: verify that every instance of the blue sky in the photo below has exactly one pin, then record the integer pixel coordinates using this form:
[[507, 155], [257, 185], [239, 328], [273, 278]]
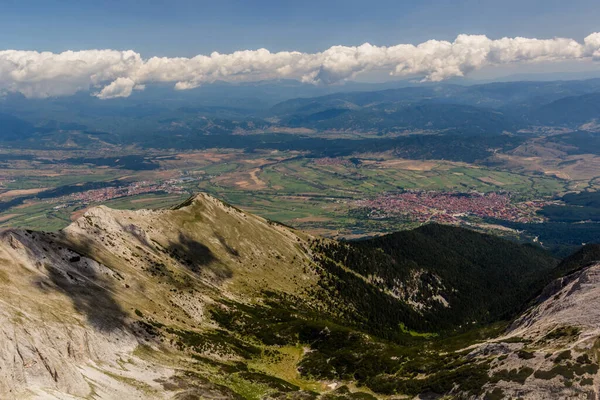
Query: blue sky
[[186, 28]]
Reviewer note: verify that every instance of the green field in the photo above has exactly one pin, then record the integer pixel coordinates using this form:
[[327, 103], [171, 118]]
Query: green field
[[42, 216], [303, 192]]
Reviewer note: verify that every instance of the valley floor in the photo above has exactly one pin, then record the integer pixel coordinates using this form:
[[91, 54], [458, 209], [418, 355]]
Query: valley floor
[[350, 197]]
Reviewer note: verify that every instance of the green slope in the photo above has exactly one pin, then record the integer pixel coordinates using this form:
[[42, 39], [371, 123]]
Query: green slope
[[481, 278]]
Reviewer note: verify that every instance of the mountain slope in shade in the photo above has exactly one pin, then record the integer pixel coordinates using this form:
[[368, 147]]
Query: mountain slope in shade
[[570, 111], [13, 128], [206, 301]]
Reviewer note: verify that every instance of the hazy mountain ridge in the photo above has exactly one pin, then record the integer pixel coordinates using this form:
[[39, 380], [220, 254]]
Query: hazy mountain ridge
[[147, 117]]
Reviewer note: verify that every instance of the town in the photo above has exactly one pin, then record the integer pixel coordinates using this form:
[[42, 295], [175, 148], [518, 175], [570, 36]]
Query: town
[[452, 207], [108, 193]]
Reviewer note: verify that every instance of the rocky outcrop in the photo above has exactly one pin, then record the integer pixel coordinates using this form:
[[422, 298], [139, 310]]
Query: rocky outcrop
[[571, 301]]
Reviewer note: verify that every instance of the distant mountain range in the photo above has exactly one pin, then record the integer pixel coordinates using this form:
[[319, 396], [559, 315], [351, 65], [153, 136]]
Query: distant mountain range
[[478, 109], [223, 109]]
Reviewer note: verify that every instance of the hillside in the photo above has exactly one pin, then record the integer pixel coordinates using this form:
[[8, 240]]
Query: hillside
[[570, 111], [394, 117], [13, 128], [460, 276], [207, 301], [100, 290]]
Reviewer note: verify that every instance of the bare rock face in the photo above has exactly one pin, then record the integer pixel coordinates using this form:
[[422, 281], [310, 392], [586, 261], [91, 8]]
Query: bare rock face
[[48, 330], [569, 301]]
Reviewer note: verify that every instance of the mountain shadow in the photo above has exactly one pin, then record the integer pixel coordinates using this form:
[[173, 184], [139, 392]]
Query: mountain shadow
[[197, 257], [90, 293], [92, 298]]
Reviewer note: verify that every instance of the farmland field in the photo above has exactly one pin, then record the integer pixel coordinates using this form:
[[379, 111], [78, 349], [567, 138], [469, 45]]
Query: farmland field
[[319, 194]]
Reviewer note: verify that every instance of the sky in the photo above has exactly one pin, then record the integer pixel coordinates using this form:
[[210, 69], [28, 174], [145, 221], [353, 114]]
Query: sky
[[187, 28]]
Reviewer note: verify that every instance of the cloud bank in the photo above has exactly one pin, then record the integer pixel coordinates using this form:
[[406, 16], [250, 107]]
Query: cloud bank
[[117, 73]]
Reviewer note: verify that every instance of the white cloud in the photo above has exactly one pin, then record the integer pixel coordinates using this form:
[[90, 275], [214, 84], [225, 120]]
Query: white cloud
[[592, 46], [48, 74], [120, 87], [118, 73]]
